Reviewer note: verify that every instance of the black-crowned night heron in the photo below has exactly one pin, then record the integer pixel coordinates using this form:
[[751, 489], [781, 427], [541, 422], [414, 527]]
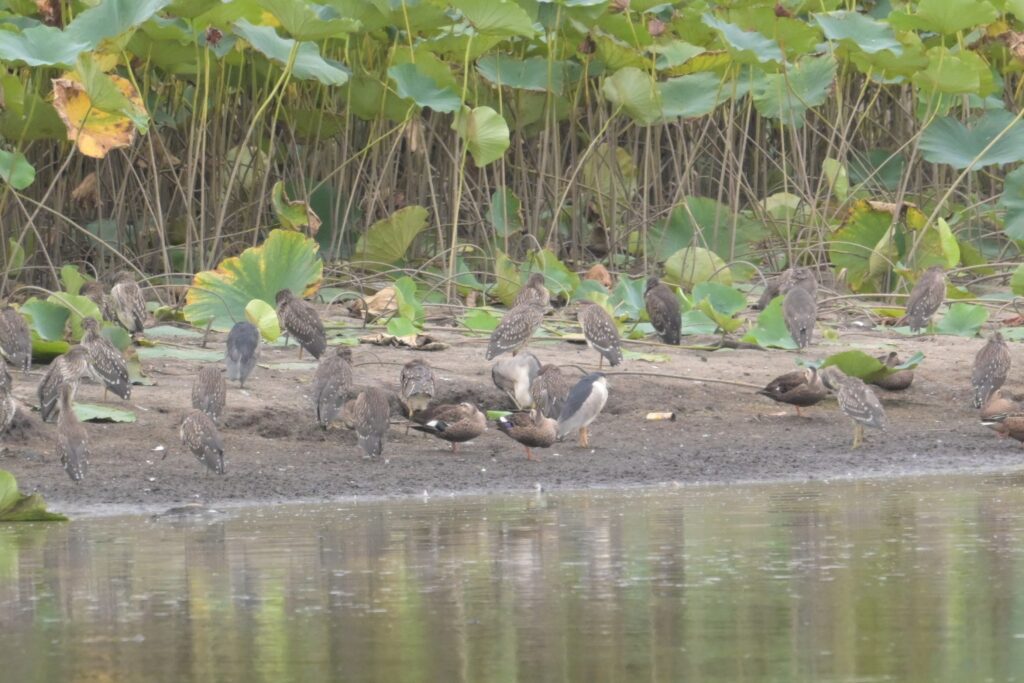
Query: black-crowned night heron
[[94, 291], [68, 368], [925, 298], [370, 414], [15, 339], [800, 388], [991, 366], [8, 407], [530, 428], [199, 434], [300, 320], [600, 332], [455, 423], [331, 384], [799, 311], [663, 310], [896, 381], [1000, 403], [107, 362], [243, 350], [417, 386], [857, 401], [72, 443], [549, 390], [515, 329], [515, 375], [533, 291], [129, 306], [585, 402], [210, 391]]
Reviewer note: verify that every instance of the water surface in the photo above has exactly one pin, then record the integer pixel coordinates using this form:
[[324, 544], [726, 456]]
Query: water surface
[[905, 580]]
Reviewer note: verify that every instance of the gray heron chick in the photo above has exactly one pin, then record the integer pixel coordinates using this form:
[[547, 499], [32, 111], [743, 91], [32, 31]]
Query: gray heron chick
[[800, 311], [549, 390], [857, 401], [300, 320], [585, 402], [800, 388], [107, 362], [925, 298], [515, 375], [68, 368], [663, 310], [210, 391], [242, 352], [515, 329], [600, 332], [455, 423], [331, 384], [199, 434], [531, 429], [991, 366], [72, 442], [128, 303]]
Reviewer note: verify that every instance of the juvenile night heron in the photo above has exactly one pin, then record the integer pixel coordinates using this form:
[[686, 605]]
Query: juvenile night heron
[[243, 350], [15, 339], [199, 434], [107, 362], [454, 423], [127, 302], [370, 413], [7, 405], [799, 311], [1000, 403], [896, 381], [67, 369], [585, 402], [515, 375], [515, 329], [531, 429], [857, 401], [331, 384], [800, 388], [210, 391], [781, 284], [417, 386], [72, 443], [663, 310], [549, 390], [300, 320], [95, 292], [991, 366], [925, 298], [600, 332], [533, 291]]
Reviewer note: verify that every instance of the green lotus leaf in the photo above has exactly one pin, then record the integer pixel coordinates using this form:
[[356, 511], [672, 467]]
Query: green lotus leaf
[[387, 240], [484, 132], [264, 317]]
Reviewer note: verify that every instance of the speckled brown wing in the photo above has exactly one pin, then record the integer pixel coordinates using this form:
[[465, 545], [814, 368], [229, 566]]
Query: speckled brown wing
[[302, 321], [534, 292], [417, 385], [8, 407], [331, 385], [991, 367], [663, 310], [15, 339], [515, 329], [549, 390], [69, 368], [107, 362], [72, 441], [925, 298], [128, 303], [209, 391], [800, 311], [199, 434], [600, 332], [859, 403], [370, 414]]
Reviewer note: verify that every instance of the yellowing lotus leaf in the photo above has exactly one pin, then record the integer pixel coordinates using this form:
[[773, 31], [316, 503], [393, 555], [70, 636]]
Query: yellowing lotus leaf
[[94, 131]]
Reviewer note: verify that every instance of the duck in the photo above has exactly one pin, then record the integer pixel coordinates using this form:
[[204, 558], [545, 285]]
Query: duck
[[800, 388], [896, 381], [455, 423], [530, 428]]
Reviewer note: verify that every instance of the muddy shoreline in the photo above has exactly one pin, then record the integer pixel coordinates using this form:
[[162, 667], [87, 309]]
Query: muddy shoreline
[[723, 433]]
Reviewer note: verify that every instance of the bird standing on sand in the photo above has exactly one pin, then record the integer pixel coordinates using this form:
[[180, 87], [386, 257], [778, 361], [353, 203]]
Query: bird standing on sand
[[129, 306], [417, 386], [895, 381], [515, 375], [857, 401], [800, 311], [800, 388], [107, 362], [370, 413], [585, 402], [93, 290], [15, 339], [243, 350], [68, 368], [797, 276], [199, 434], [300, 320], [663, 310], [925, 298], [515, 329], [531, 429], [991, 366], [72, 443], [600, 332], [549, 390], [455, 423], [331, 384], [533, 291], [8, 407], [210, 391]]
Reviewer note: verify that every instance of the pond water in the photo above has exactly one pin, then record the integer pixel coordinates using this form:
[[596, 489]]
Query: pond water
[[900, 580]]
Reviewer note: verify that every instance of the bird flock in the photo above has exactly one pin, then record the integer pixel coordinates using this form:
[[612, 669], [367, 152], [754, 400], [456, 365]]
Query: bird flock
[[549, 405]]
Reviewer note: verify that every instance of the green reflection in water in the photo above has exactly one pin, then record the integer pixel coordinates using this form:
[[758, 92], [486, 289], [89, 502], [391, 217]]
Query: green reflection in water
[[909, 580]]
